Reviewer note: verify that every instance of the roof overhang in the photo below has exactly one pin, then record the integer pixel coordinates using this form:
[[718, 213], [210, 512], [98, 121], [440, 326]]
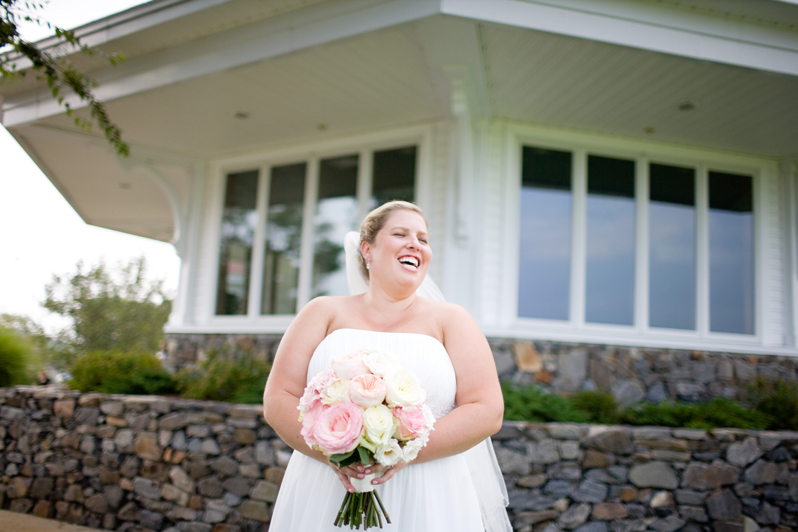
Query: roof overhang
[[301, 71]]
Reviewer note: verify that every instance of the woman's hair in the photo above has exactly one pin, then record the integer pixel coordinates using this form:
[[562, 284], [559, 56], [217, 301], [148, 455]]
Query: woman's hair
[[375, 220]]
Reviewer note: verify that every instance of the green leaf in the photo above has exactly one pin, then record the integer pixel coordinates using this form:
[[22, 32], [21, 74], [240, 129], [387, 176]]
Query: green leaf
[[340, 458], [365, 455]]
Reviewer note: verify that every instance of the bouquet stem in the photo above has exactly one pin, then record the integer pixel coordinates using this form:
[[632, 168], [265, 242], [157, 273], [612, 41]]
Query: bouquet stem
[[362, 507]]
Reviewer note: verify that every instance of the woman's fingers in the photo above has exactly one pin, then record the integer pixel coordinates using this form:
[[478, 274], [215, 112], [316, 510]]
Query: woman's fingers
[[387, 475]]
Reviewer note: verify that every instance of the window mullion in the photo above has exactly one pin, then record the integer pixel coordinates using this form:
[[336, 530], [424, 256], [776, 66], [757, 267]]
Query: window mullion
[[702, 251], [579, 242], [309, 214], [364, 177], [641, 245], [256, 272]]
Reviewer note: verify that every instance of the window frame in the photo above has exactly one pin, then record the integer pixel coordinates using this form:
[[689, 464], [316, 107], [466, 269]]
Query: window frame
[[643, 153], [364, 146]]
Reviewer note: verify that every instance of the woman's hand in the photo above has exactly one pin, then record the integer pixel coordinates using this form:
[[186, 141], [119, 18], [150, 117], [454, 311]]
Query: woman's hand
[[358, 470]]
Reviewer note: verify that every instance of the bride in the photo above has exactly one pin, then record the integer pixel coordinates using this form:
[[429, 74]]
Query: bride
[[454, 483]]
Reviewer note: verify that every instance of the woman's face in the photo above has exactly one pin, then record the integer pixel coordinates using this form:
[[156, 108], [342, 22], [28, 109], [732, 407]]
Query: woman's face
[[400, 251]]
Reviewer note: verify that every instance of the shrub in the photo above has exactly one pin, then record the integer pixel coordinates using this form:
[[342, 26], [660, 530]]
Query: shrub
[[15, 358], [122, 373], [533, 403], [232, 376], [719, 412], [600, 406], [777, 399]]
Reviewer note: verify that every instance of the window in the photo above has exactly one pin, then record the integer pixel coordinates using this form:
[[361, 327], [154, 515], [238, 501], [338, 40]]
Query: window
[[295, 261], [583, 259]]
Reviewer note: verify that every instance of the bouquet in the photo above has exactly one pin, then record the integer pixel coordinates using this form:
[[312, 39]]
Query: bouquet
[[365, 407]]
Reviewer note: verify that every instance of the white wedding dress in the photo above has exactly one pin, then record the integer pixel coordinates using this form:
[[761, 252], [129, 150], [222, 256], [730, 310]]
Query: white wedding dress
[[434, 496]]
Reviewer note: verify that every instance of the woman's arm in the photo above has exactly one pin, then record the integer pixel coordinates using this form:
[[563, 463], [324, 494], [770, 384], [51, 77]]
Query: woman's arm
[[288, 377], [479, 404]]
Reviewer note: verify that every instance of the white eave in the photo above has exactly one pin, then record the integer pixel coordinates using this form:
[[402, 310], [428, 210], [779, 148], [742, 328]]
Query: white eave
[[613, 67]]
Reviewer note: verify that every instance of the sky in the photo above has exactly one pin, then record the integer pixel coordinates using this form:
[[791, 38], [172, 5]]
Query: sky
[[40, 234]]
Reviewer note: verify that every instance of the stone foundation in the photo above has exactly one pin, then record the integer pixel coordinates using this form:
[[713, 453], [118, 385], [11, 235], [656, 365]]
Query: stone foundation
[[632, 373], [152, 464]]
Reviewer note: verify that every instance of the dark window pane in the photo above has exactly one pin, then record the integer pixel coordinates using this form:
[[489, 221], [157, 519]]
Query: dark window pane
[[336, 214], [731, 253], [672, 230], [238, 229], [283, 239], [394, 176], [545, 234], [610, 274]]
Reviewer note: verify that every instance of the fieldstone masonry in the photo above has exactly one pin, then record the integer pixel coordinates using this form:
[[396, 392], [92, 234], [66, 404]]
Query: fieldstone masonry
[[632, 373], [141, 464]]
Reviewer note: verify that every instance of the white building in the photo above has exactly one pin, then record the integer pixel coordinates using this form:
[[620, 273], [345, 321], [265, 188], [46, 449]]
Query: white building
[[596, 171]]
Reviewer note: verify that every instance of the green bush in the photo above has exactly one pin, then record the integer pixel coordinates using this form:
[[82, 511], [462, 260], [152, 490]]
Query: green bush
[[231, 376], [600, 406], [533, 403], [122, 373], [15, 358], [719, 412], [777, 399]]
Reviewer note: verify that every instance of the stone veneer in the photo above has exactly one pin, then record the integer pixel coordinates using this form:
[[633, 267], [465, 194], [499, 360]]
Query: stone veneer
[[132, 463], [632, 373]]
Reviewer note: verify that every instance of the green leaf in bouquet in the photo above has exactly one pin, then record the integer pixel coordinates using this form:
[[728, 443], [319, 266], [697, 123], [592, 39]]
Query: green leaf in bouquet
[[339, 459], [366, 456]]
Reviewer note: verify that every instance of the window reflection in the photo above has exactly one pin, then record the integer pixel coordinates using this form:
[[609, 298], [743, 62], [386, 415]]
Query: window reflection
[[283, 239], [545, 234], [238, 229], [336, 214], [610, 273], [672, 247], [731, 253], [394, 175]]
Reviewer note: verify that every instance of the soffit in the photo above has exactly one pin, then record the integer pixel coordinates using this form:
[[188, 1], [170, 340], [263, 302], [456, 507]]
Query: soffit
[[609, 89], [370, 81]]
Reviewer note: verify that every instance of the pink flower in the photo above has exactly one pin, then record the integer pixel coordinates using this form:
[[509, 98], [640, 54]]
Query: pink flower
[[366, 390], [350, 365], [410, 422], [322, 380], [309, 419], [339, 428]]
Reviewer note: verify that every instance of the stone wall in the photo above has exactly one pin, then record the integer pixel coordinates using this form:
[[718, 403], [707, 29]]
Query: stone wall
[[636, 373], [156, 464], [631, 373]]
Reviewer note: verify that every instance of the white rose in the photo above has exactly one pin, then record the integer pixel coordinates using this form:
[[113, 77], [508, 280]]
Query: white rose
[[336, 392], [389, 454], [411, 449], [403, 389], [429, 417], [381, 363], [379, 424]]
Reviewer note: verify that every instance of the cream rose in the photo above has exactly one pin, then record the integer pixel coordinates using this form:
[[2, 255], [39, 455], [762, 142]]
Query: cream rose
[[389, 454], [381, 363], [379, 424], [411, 449], [336, 392], [403, 389]]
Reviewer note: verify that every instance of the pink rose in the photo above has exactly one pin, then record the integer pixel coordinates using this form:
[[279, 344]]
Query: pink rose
[[339, 428], [350, 365], [410, 422], [307, 400], [366, 390], [322, 380], [309, 419]]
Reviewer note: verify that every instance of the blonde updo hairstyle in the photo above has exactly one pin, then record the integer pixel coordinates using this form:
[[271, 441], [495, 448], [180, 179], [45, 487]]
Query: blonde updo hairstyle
[[375, 221]]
